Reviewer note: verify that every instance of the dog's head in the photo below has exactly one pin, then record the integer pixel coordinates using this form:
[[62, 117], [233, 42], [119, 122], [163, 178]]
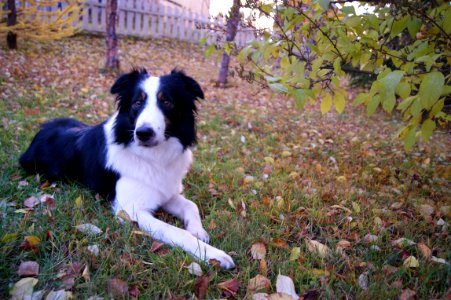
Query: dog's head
[[153, 109]]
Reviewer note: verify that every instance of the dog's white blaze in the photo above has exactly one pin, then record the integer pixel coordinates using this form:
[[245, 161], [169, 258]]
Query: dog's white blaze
[[151, 115]]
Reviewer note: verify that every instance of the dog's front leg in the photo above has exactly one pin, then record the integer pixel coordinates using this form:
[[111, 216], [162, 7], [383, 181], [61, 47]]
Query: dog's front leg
[[188, 212], [175, 236]]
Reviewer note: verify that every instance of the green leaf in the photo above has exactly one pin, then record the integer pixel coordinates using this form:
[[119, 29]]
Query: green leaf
[[324, 3], [361, 98], [409, 139], [431, 88], [300, 97], [438, 106], [406, 102], [403, 90], [326, 104], [427, 128], [209, 50], [339, 102], [413, 25], [278, 87], [389, 103], [446, 25], [372, 105], [337, 67], [202, 41], [267, 8], [399, 26]]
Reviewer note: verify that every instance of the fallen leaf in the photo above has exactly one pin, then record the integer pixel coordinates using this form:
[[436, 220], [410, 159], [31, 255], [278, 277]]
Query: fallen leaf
[[23, 289], [89, 229], [424, 250], [407, 294], [28, 268], [402, 242], [156, 245], [85, 274], [370, 238], [310, 295], [118, 287], [30, 242], [201, 287], [133, 291], [280, 243], [31, 202], [281, 296], [286, 153], [260, 296], [284, 284], [123, 216], [59, 295], [263, 267], [229, 287], [295, 253], [195, 269], [342, 246], [411, 262], [258, 250], [316, 247], [363, 281], [426, 210], [49, 201], [93, 249], [257, 283]]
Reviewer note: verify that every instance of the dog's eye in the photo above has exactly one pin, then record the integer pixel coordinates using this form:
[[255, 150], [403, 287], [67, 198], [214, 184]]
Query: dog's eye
[[164, 101], [138, 103]]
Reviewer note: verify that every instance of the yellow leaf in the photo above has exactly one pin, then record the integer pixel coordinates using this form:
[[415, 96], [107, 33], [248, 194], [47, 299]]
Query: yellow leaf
[[326, 104], [32, 240], [269, 160], [339, 102], [317, 248], [9, 237], [286, 153], [78, 202], [341, 179], [411, 262]]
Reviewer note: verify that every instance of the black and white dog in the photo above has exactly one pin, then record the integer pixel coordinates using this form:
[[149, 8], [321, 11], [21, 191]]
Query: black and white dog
[[137, 158]]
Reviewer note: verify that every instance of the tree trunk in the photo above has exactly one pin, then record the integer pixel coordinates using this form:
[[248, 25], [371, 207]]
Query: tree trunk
[[11, 37], [231, 29], [112, 60]]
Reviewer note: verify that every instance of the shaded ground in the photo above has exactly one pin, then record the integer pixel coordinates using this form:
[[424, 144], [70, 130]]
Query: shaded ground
[[264, 173]]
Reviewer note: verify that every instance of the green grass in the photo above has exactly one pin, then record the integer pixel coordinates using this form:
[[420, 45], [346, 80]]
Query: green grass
[[294, 203]]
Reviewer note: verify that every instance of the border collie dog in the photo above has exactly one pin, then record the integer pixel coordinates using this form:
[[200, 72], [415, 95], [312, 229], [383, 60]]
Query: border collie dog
[[137, 158]]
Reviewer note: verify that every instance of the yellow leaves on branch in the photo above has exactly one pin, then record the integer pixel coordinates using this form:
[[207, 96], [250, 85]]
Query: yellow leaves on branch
[[44, 20]]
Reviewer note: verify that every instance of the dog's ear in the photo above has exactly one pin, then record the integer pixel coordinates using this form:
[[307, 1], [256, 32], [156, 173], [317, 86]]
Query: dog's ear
[[125, 81], [191, 84]]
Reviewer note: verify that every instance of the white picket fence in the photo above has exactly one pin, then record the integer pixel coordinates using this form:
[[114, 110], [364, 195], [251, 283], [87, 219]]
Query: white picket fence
[[147, 18]]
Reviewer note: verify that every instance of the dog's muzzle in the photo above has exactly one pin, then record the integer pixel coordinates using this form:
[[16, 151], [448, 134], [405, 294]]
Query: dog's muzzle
[[146, 136]]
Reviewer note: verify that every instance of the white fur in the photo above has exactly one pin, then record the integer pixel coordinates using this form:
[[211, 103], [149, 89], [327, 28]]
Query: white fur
[[151, 115], [151, 178]]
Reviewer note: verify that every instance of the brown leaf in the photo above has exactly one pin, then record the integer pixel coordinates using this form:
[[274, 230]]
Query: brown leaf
[[229, 287], [133, 291], [156, 245], [118, 287], [31, 202], [407, 294], [310, 295], [263, 267], [280, 243], [49, 201], [28, 268], [425, 251], [201, 287], [258, 250], [257, 283]]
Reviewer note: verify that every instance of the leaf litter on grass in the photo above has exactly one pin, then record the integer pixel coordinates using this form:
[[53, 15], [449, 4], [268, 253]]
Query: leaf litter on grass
[[301, 185]]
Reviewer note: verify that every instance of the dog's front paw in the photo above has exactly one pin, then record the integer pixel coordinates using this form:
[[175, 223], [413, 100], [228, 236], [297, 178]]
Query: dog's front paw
[[224, 259], [199, 233]]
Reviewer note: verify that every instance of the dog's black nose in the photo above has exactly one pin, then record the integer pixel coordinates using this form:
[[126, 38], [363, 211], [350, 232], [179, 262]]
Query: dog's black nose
[[145, 133]]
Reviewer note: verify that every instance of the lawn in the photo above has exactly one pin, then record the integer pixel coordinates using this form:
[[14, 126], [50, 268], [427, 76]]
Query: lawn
[[333, 201]]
